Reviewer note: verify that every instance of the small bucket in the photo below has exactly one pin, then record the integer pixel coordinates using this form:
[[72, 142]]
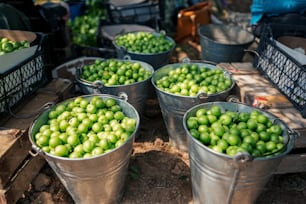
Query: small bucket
[[157, 60], [173, 107], [136, 94], [218, 178], [98, 179], [224, 43]]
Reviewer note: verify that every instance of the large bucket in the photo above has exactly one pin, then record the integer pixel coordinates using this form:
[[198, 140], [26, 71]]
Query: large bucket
[[157, 60], [136, 93], [219, 178], [98, 179], [223, 43], [173, 107]]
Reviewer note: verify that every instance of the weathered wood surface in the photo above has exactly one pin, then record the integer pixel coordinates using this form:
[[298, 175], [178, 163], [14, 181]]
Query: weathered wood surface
[[18, 167]]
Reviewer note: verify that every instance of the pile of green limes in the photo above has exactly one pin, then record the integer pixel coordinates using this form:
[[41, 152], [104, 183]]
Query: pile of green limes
[[7, 45], [144, 42], [115, 72], [231, 132], [83, 128], [189, 79]]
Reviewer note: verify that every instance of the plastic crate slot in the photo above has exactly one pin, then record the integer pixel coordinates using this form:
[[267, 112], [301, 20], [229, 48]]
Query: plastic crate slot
[[282, 70], [21, 81]]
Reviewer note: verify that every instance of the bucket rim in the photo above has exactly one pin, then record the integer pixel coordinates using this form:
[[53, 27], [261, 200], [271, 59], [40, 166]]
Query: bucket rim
[[74, 62], [291, 138], [144, 54], [39, 151], [252, 37], [146, 65], [207, 64]]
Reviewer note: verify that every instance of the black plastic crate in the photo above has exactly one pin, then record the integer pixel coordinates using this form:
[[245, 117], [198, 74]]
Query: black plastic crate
[[283, 71], [146, 13], [103, 52], [23, 79]]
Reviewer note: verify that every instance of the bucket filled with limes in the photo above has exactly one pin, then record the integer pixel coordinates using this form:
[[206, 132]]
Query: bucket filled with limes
[[125, 78], [181, 86], [151, 47], [233, 150], [87, 141]]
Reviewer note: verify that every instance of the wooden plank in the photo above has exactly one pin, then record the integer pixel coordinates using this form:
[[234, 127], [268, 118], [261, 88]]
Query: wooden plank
[[20, 183], [17, 171], [251, 86], [292, 163], [267, 101], [14, 148], [247, 84], [238, 68], [291, 116], [301, 139], [62, 87]]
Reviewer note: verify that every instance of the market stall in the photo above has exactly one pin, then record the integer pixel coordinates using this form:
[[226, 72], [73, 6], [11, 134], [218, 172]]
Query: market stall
[[155, 164]]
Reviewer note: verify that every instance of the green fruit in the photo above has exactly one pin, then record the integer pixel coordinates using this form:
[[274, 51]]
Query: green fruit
[[144, 42], [73, 133], [113, 72], [7, 45], [191, 79], [229, 133]]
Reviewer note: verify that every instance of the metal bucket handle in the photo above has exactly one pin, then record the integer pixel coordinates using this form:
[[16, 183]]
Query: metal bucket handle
[[202, 96], [188, 60], [98, 86], [79, 64], [35, 151], [233, 99], [127, 57], [46, 106], [122, 50], [240, 161], [35, 113], [162, 32], [123, 96], [253, 51]]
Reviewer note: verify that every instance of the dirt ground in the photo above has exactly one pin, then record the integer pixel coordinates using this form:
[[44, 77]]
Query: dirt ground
[[159, 173]]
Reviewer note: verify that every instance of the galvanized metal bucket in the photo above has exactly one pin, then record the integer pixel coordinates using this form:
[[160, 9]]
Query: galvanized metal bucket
[[173, 107], [157, 60], [219, 178], [136, 93], [224, 43], [98, 179]]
